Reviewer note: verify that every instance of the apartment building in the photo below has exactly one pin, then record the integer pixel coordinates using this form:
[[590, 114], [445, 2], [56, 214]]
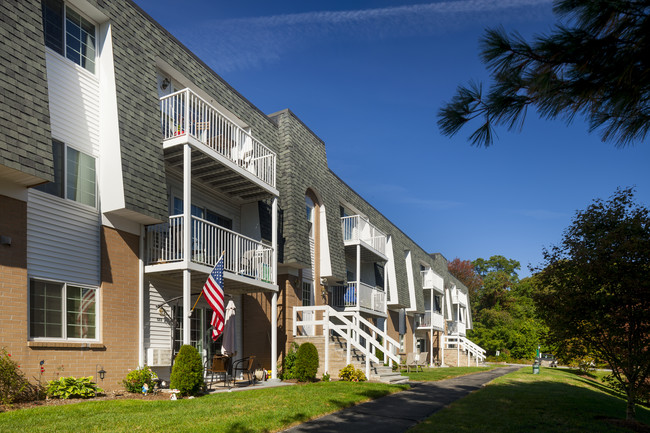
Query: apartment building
[[128, 167]]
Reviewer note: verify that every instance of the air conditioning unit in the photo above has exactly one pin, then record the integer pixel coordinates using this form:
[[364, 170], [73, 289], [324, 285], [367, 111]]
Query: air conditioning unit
[[157, 357]]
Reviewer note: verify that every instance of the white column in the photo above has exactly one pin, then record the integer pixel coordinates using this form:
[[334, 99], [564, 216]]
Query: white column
[[274, 299], [141, 310], [326, 333], [358, 276], [187, 239], [274, 336]]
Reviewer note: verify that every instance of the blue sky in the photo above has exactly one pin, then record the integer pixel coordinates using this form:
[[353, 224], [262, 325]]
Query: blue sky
[[368, 77]]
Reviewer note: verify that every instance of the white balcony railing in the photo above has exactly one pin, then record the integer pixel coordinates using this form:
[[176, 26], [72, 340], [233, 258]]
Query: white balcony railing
[[367, 297], [243, 255], [184, 112], [428, 320], [357, 228], [459, 297], [456, 328]]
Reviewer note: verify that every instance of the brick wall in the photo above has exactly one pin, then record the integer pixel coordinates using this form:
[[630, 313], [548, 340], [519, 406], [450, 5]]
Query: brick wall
[[117, 350]]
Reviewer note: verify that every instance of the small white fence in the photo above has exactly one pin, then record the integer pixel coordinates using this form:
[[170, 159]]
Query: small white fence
[[243, 255], [356, 331], [186, 113], [462, 344], [357, 228]]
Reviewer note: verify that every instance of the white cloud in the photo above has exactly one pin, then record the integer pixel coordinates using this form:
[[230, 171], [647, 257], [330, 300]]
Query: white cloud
[[241, 43]]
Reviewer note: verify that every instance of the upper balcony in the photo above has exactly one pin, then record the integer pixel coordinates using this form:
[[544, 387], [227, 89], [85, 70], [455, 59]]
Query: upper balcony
[[431, 280], [458, 297], [224, 155], [357, 230], [430, 320], [456, 328], [248, 263], [359, 296]]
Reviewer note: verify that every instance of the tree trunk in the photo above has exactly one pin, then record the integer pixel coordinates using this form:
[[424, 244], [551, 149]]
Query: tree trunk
[[630, 414]]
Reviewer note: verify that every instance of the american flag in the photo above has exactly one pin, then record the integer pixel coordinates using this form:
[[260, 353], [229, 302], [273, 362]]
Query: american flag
[[213, 292]]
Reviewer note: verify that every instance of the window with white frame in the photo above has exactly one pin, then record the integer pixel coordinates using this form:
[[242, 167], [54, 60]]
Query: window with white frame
[[69, 34], [74, 175], [437, 304], [62, 310]]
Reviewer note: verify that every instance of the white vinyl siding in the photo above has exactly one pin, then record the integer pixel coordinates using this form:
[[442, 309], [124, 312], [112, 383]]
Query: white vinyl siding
[[74, 104], [62, 240]]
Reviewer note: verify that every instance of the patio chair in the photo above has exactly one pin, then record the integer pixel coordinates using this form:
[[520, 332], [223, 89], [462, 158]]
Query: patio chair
[[219, 365], [410, 362], [421, 361], [245, 366]]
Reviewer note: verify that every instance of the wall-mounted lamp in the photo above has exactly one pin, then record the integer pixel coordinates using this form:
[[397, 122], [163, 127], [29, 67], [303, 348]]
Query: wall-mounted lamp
[[5, 240], [101, 372], [165, 84]]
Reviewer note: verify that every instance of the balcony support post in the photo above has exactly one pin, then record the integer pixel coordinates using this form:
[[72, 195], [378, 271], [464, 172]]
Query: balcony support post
[[358, 270], [187, 240], [274, 300]]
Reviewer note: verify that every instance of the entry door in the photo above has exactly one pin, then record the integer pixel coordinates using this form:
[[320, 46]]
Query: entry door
[[308, 301]]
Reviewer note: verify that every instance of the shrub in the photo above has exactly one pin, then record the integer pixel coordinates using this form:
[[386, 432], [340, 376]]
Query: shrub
[[326, 377], [306, 362], [72, 387], [14, 387], [138, 377], [187, 372], [351, 374], [289, 363]]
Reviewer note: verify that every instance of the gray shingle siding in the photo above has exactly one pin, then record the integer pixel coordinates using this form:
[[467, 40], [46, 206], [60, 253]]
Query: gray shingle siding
[[26, 140], [303, 165], [137, 42]]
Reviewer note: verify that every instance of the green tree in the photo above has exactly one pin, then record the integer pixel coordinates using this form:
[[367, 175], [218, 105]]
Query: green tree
[[595, 66], [595, 288]]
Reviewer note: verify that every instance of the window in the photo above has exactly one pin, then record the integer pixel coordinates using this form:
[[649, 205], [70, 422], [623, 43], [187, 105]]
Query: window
[[437, 304], [202, 213], [306, 294], [69, 34], [62, 311], [74, 175]]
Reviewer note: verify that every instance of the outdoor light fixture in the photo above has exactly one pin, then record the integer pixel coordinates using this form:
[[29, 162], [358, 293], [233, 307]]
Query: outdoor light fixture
[[161, 311], [165, 84], [5, 240], [101, 372]]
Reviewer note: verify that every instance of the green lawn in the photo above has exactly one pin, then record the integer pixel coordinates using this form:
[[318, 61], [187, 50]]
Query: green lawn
[[431, 374], [556, 400], [263, 410]]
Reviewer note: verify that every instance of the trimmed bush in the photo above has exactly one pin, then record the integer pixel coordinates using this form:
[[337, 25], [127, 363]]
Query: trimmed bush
[[72, 387], [138, 377], [306, 362], [14, 387], [187, 372], [289, 363], [351, 374]]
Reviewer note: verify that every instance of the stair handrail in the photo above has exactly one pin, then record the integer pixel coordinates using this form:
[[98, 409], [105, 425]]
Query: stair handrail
[[352, 338], [390, 342], [360, 332]]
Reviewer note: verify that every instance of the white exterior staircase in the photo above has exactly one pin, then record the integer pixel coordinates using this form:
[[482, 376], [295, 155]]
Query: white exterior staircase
[[458, 351], [347, 338]]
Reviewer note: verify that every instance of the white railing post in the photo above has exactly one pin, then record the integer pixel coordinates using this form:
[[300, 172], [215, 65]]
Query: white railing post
[[368, 359], [326, 332], [348, 355], [295, 319]]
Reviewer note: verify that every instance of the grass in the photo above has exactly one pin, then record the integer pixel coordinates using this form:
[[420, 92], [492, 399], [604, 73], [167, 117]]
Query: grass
[[263, 410], [555, 400], [432, 374]]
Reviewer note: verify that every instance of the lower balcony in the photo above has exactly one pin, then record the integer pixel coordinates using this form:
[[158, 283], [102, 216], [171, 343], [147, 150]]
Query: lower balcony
[[247, 262], [430, 320], [456, 328], [358, 296]]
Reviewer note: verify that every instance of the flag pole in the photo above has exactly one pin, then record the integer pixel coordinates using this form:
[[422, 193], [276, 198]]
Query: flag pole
[[201, 294]]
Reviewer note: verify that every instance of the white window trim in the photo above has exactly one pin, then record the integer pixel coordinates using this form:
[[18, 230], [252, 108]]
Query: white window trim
[[66, 5], [63, 311]]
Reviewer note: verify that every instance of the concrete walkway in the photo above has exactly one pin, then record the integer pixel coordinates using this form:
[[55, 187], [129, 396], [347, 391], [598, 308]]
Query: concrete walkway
[[398, 412]]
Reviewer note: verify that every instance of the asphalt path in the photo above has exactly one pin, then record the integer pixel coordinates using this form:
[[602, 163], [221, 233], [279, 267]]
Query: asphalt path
[[400, 411]]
